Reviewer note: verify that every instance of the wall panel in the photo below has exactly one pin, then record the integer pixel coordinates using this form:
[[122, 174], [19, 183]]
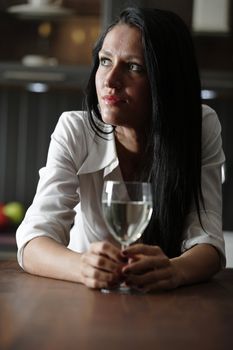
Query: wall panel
[[26, 122]]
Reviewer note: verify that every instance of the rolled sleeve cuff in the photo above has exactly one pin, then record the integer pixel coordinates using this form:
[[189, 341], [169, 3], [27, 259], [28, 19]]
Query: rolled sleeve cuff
[[211, 233]]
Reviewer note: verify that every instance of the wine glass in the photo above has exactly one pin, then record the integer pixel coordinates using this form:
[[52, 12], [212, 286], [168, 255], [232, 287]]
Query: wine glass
[[127, 209]]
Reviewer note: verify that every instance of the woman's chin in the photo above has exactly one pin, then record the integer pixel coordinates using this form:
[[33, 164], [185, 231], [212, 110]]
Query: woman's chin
[[111, 119]]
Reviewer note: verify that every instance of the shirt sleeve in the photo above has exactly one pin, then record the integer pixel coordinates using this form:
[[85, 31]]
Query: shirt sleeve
[[212, 161], [52, 211]]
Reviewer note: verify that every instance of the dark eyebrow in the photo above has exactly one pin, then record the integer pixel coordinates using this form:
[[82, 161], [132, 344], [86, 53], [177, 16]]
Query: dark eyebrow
[[105, 52], [130, 57]]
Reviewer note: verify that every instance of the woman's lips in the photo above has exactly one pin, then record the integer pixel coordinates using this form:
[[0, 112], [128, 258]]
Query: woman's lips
[[112, 99]]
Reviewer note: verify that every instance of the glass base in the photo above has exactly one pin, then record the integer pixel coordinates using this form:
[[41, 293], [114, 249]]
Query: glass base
[[122, 289]]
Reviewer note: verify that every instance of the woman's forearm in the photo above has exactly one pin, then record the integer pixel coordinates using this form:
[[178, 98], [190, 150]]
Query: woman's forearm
[[44, 256], [197, 264]]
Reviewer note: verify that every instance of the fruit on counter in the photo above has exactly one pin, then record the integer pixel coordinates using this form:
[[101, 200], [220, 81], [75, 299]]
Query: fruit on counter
[[4, 220], [14, 211]]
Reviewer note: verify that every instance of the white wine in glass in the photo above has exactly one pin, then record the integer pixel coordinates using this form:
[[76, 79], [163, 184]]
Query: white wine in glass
[[127, 209]]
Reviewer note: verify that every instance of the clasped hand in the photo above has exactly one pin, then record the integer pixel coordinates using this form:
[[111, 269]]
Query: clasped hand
[[142, 267]]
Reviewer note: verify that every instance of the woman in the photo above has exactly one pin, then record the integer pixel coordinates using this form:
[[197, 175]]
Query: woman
[[143, 121]]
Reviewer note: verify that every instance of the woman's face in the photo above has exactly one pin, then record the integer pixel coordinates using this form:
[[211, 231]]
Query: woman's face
[[122, 84]]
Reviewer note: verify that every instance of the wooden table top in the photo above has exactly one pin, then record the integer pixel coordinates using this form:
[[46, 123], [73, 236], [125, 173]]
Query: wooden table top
[[42, 313]]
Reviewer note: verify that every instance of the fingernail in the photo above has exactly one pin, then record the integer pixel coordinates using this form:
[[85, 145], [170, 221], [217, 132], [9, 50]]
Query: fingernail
[[124, 252]]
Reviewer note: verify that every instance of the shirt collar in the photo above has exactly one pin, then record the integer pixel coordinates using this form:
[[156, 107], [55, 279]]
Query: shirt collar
[[101, 152]]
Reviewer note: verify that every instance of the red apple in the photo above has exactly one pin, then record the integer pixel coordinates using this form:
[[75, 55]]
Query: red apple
[[4, 220]]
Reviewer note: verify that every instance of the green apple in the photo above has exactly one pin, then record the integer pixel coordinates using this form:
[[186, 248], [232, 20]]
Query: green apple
[[14, 211]]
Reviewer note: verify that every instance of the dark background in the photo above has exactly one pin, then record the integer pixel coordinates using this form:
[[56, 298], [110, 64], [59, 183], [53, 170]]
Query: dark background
[[27, 118]]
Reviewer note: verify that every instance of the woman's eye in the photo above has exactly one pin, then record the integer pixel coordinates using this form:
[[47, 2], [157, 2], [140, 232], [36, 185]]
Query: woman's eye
[[105, 61], [135, 67]]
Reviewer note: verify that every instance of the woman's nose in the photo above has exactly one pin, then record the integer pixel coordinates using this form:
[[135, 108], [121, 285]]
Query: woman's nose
[[113, 79]]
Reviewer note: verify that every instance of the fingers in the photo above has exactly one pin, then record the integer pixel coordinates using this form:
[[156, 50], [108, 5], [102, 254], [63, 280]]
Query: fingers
[[101, 265], [152, 281], [107, 249], [145, 268], [142, 264], [99, 262], [148, 268], [95, 284], [142, 249], [148, 279], [94, 278]]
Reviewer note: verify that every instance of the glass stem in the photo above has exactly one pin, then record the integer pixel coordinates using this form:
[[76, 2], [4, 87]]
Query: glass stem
[[124, 246]]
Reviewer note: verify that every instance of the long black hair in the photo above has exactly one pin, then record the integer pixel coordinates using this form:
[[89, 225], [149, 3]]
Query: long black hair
[[173, 141]]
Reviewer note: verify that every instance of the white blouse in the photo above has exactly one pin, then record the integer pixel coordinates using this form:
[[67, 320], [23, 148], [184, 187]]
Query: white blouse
[[67, 205]]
